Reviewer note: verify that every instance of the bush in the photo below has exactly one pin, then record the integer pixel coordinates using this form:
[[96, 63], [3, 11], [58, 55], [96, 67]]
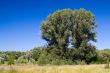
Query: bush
[[22, 60], [11, 59], [56, 62], [32, 61], [80, 62], [35, 53], [70, 62], [45, 58], [49, 58], [1, 60], [103, 56], [86, 53]]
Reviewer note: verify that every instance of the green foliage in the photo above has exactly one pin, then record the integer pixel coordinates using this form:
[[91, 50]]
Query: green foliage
[[8, 56], [63, 27], [83, 27], [58, 62], [77, 24], [45, 58], [32, 61], [22, 60], [73, 56], [103, 56], [35, 53], [11, 59], [78, 62], [49, 58], [85, 53], [55, 30], [1, 60]]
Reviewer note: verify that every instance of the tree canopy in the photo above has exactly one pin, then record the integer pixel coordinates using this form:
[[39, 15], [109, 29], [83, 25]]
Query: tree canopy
[[64, 27]]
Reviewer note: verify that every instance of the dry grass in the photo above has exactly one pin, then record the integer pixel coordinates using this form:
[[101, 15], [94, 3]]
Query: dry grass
[[54, 69]]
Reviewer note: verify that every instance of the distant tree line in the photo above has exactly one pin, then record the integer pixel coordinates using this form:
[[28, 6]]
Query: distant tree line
[[40, 56], [69, 34]]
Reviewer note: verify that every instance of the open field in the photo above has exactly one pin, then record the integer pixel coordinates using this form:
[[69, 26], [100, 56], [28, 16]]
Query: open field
[[54, 69]]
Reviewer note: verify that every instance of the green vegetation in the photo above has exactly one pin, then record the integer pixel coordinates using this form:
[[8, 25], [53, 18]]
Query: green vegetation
[[63, 27], [102, 57]]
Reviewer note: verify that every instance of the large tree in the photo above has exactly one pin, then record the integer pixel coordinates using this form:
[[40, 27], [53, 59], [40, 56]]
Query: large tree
[[77, 24]]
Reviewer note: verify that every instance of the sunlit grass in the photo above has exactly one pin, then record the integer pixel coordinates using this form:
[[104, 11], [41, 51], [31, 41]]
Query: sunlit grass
[[55, 69]]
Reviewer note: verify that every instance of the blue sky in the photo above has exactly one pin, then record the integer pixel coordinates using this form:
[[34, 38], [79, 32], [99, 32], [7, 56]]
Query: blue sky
[[20, 21]]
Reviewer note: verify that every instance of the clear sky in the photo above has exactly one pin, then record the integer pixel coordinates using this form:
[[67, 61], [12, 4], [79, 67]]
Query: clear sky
[[20, 21]]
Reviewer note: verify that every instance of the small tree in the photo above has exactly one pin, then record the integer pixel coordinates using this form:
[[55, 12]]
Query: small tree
[[11, 59]]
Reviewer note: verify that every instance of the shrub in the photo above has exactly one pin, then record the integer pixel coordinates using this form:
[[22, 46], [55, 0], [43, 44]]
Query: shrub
[[11, 59], [35, 53], [56, 62], [86, 53], [22, 59], [103, 56], [1, 60], [32, 61], [45, 58], [80, 62]]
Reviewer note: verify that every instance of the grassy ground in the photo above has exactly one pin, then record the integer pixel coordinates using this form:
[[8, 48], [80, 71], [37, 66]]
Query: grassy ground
[[54, 69]]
